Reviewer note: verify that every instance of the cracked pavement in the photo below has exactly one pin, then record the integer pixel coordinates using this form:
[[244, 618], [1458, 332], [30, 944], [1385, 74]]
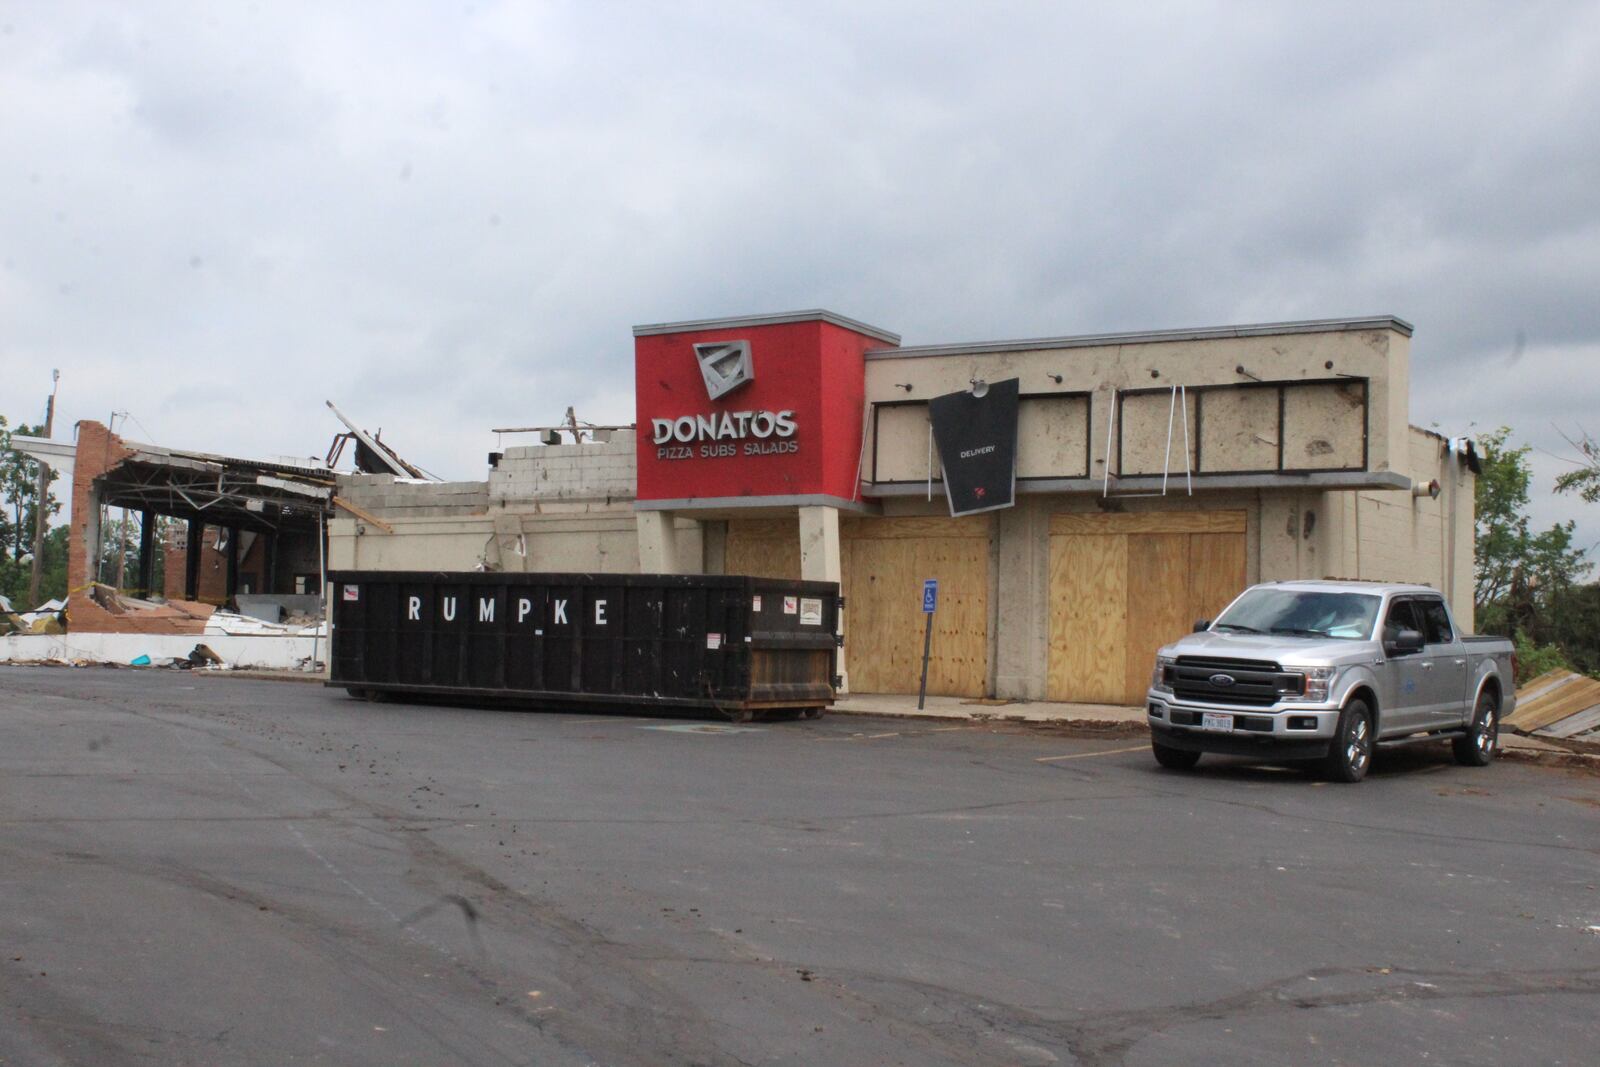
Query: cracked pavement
[[205, 870]]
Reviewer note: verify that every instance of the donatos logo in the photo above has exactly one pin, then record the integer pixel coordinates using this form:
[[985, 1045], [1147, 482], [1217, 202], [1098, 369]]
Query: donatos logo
[[726, 426], [725, 366]]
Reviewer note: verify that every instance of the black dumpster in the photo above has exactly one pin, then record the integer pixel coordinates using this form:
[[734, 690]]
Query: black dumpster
[[733, 645]]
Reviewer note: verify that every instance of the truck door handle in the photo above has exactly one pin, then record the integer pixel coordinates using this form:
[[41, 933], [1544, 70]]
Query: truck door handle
[[1428, 666], [1460, 662]]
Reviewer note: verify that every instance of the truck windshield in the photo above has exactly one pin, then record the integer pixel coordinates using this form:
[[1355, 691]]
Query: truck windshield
[[1301, 612]]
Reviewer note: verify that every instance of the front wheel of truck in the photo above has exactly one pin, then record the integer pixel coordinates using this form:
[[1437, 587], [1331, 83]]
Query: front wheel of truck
[[1476, 749], [1351, 752], [1174, 759]]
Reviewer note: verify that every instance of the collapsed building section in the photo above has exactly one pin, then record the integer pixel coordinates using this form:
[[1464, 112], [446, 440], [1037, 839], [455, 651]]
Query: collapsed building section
[[243, 526]]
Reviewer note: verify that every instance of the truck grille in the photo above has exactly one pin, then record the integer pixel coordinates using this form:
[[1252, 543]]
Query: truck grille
[[1252, 684], [1261, 724]]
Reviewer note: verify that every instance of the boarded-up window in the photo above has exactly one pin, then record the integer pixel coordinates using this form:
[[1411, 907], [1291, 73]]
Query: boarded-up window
[[1053, 437], [1145, 419], [900, 443], [1239, 430], [1324, 426]]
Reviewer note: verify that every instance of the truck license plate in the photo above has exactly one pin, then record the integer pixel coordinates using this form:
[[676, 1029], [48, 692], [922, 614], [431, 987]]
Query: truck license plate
[[1208, 721]]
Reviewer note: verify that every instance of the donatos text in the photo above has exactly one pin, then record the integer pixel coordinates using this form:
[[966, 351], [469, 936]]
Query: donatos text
[[729, 433]]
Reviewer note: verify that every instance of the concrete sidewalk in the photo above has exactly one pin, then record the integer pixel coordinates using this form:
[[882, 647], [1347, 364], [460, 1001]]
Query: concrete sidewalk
[[1032, 711], [1115, 717]]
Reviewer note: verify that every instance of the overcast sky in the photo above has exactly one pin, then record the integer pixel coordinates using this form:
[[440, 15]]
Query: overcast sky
[[446, 217]]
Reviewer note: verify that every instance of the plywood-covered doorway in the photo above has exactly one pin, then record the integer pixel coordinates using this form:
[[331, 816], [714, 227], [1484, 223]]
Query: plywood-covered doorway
[[884, 562], [1123, 585]]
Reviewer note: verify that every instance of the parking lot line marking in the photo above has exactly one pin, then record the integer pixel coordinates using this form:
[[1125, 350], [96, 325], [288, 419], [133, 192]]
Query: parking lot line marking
[[945, 729], [872, 737], [1086, 755]]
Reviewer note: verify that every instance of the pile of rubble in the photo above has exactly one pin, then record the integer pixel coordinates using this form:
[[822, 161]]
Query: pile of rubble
[[261, 616], [47, 618]]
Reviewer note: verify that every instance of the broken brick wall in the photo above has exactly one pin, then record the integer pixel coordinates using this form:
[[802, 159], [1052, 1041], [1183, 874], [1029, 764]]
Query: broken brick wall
[[98, 451]]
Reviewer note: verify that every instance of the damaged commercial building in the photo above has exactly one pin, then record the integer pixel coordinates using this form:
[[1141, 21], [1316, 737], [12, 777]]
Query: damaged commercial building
[[241, 544], [1143, 480]]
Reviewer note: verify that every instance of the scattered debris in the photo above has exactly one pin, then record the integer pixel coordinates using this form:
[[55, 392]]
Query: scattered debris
[[1559, 706], [231, 624], [372, 455], [202, 654], [47, 618]]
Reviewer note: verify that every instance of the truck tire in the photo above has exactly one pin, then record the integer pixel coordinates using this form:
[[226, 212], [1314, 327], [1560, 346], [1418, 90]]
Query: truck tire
[[1173, 759], [1477, 748], [1351, 753]]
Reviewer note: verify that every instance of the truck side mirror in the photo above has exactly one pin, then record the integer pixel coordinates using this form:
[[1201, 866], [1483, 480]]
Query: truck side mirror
[[1405, 643], [1202, 625]]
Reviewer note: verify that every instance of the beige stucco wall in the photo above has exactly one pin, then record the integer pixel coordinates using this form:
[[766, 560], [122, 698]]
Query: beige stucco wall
[[1324, 428], [1395, 535]]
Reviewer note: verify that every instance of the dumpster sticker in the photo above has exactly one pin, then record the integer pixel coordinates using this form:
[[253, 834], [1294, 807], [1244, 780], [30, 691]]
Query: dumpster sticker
[[755, 603], [791, 605], [352, 592], [811, 611], [713, 641]]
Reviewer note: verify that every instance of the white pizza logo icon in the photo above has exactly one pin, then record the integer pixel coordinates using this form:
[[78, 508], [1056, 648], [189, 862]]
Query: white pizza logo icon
[[725, 365]]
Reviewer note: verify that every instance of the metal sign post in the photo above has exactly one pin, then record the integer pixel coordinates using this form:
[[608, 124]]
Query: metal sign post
[[930, 604]]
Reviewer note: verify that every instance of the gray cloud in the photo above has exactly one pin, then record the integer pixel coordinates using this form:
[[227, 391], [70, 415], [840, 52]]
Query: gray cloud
[[447, 218]]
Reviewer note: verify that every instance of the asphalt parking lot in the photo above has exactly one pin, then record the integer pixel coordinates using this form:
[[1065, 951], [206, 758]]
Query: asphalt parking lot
[[199, 870]]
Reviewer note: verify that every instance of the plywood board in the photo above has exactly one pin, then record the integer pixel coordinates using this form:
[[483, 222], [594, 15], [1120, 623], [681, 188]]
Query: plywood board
[[916, 527], [763, 548], [1144, 421], [1123, 585], [1158, 604], [1324, 426], [1096, 522], [1088, 618], [1239, 429], [885, 562], [1216, 573], [1053, 437]]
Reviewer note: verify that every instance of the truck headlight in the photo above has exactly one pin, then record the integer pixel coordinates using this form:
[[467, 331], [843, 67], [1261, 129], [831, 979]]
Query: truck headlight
[[1317, 682], [1158, 677]]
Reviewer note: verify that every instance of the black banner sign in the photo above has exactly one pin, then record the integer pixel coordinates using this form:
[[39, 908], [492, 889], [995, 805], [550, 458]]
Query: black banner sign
[[976, 434]]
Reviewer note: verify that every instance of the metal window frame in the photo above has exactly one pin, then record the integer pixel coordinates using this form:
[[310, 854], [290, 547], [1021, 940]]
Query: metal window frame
[[1281, 386], [1086, 395]]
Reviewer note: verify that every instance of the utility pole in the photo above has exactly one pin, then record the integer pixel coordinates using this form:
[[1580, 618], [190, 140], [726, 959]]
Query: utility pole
[[40, 516]]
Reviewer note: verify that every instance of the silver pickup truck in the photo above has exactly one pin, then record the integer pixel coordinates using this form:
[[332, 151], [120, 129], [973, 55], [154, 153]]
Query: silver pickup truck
[[1328, 671]]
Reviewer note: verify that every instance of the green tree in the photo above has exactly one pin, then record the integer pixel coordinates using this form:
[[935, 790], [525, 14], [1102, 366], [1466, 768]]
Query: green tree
[[19, 510], [1522, 576], [1585, 481]]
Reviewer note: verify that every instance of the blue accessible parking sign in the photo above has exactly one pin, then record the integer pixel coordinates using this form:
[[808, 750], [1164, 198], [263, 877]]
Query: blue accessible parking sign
[[930, 595]]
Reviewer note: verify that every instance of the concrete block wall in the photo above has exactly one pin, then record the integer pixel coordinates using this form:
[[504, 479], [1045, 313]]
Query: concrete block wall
[[386, 497], [593, 471]]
